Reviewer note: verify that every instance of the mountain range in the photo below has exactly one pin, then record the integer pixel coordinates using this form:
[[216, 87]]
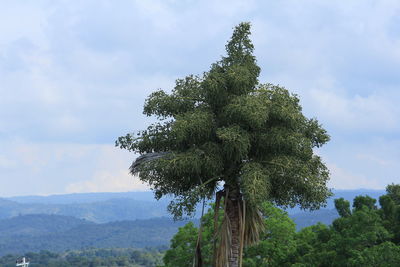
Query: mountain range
[[110, 220], [108, 207]]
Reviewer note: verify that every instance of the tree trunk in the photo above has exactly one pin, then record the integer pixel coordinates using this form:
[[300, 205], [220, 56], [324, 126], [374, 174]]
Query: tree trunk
[[232, 210]]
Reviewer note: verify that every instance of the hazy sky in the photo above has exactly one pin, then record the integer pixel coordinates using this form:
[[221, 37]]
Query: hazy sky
[[74, 76]]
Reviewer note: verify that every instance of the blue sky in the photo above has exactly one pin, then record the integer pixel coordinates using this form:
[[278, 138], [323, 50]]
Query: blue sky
[[74, 76]]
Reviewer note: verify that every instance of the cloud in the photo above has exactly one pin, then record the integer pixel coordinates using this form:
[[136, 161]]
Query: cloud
[[69, 65], [376, 160], [104, 181], [371, 164], [375, 112], [33, 168], [344, 179], [6, 163], [74, 77]]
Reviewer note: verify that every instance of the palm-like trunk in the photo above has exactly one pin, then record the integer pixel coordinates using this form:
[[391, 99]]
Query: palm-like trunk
[[228, 244], [232, 210], [242, 225]]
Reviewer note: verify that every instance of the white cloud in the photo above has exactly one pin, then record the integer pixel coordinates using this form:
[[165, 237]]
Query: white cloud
[[371, 163], [344, 179], [74, 75], [376, 113], [376, 160], [6, 163], [119, 181], [22, 21], [33, 168]]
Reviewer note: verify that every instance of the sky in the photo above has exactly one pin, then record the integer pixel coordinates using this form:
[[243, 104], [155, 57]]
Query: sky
[[74, 76]]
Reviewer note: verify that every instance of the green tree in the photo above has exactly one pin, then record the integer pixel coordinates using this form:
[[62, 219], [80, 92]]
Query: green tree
[[357, 238], [275, 246], [383, 255], [183, 244], [343, 207], [364, 201], [311, 247], [393, 191], [352, 234], [224, 133], [390, 211], [182, 247]]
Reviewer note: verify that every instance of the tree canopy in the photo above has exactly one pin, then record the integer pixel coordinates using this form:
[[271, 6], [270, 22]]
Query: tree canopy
[[363, 236], [224, 132]]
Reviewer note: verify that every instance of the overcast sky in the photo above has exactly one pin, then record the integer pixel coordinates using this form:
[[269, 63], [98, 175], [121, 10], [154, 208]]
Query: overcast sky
[[74, 76]]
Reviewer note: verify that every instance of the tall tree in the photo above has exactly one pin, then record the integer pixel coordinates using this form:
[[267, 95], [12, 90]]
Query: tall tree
[[343, 207], [226, 135], [274, 248]]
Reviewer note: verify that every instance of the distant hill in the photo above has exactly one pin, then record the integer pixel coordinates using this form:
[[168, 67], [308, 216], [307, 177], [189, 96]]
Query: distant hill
[[108, 207], [83, 197], [109, 220], [306, 218], [38, 224], [59, 233], [8, 208], [99, 212]]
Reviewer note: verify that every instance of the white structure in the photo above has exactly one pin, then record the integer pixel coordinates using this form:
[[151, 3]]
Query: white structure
[[22, 262]]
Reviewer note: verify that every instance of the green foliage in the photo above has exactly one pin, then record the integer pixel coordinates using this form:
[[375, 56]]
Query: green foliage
[[393, 191], [182, 247], [361, 202], [277, 242], [343, 207], [227, 128], [90, 258], [183, 244], [386, 254], [365, 236], [218, 126], [390, 212], [255, 183]]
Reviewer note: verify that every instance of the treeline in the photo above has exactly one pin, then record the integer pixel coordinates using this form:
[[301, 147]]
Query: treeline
[[33, 233], [98, 212], [90, 258], [364, 235]]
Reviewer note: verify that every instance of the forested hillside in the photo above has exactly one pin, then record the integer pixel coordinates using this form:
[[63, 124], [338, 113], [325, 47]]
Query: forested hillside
[[90, 257], [32, 233], [38, 224], [37, 232], [99, 212], [21, 233], [108, 207]]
